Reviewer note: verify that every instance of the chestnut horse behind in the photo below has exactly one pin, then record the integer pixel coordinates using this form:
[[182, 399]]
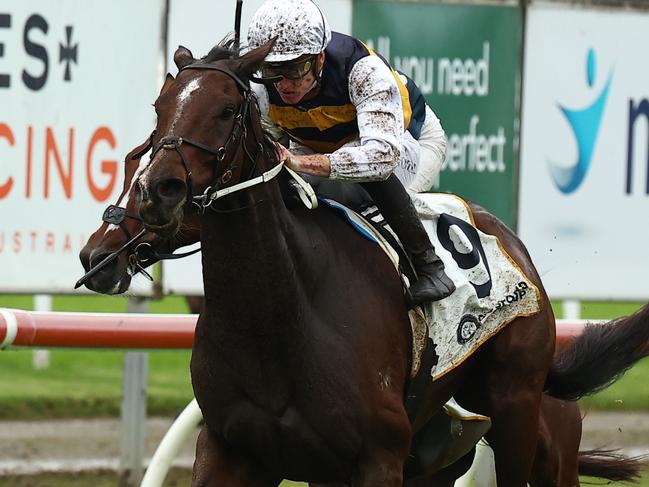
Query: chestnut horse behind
[[301, 354]]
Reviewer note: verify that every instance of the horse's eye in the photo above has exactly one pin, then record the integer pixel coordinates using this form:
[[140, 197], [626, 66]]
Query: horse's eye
[[227, 113]]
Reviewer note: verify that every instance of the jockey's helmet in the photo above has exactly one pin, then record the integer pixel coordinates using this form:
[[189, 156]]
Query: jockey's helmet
[[299, 26]]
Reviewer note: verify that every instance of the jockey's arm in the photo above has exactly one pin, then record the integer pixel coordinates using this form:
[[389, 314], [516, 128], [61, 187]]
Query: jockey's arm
[[374, 92], [308, 162], [261, 94]]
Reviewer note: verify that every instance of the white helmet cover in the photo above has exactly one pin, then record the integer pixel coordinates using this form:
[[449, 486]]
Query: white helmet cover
[[299, 25]]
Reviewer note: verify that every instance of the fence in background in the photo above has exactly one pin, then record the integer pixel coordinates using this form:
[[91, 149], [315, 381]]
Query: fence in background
[[19, 328]]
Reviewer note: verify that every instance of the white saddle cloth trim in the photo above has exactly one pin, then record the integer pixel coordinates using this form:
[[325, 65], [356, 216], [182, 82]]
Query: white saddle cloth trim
[[454, 410]]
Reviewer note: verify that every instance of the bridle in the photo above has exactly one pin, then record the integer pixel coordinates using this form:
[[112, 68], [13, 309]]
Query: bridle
[[237, 138], [144, 253]]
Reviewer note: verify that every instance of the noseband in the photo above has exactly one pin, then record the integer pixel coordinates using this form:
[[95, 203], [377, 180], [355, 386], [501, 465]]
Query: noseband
[[236, 137]]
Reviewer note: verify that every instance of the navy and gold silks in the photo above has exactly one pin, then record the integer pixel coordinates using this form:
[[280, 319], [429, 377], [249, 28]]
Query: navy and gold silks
[[327, 121]]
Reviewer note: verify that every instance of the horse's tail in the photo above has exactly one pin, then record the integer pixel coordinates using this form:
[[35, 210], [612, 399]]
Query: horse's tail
[[599, 356], [611, 464]]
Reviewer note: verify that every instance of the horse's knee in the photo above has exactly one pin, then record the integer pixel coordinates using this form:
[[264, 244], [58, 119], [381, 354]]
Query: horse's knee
[[217, 465], [381, 468]]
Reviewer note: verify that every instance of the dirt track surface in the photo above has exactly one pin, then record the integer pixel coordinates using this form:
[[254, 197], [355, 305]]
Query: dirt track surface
[[28, 447]]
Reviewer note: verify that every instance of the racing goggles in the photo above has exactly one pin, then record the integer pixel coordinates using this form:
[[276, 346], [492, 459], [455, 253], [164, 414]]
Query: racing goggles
[[293, 70]]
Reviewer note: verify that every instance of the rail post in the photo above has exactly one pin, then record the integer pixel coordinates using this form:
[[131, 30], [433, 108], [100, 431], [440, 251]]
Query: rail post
[[133, 410]]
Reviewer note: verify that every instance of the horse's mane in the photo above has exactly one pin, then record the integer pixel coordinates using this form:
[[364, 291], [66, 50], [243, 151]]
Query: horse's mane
[[225, 50]]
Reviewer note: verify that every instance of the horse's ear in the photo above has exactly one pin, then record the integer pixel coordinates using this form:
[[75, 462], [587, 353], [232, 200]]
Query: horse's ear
[[251, 62], [169, 79], [183, 57]]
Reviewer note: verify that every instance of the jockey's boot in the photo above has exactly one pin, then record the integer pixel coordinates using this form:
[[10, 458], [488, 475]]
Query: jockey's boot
[[392, 199]]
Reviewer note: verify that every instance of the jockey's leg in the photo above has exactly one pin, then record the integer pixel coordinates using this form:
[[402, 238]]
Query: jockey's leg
[[396, 207]]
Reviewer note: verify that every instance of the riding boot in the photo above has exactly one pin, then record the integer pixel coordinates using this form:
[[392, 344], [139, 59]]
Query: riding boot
[[392, 199]]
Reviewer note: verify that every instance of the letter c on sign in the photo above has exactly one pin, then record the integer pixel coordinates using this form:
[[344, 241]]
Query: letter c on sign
[[108, 167], [5, 133]]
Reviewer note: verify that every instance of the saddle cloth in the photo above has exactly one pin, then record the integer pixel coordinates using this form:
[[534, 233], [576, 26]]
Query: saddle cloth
[[491, 290]]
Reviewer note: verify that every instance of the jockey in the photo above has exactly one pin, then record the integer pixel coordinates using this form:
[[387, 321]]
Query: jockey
[[350, 116]]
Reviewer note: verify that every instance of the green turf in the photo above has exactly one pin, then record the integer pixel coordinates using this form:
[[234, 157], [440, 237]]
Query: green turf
[[89, 383], [84, 383], [94, 303]]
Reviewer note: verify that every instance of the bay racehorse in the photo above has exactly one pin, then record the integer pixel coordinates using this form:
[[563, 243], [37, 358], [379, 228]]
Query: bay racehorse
[[557, 462], [304, 321]]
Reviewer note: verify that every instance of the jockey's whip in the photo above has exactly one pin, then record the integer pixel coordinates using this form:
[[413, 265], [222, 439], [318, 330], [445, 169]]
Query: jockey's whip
[[237, 25]]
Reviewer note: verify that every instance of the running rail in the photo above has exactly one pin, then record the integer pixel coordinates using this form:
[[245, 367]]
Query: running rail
[[19, 328], [95, 330]]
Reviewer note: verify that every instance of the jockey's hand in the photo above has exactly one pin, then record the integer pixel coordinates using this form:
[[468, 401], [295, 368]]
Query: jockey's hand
[[315, 164], [284, 153]]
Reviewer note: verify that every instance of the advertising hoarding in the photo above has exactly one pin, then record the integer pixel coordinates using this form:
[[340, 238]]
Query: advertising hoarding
[[584, 190], [466, 61], [77, 80]]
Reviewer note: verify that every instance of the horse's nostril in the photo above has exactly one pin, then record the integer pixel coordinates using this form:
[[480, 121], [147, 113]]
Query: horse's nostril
[[170, 190], [97, 257], [84, 257]]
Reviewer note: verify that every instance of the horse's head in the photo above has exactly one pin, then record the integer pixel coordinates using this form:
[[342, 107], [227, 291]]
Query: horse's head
[[121, 223], [208, 135]]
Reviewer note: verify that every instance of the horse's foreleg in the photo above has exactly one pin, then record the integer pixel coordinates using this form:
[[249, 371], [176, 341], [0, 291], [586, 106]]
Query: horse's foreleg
[[218, 465], [380, 467], [384, 454]]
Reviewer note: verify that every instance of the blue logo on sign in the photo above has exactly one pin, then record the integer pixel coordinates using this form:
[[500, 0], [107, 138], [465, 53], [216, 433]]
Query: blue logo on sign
[[585, 125]]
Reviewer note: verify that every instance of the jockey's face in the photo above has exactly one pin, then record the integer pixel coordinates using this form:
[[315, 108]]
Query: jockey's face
[[292, 91]]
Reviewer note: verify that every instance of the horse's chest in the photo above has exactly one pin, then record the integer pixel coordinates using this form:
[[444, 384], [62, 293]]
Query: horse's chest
[[277, 411], [287, 441]]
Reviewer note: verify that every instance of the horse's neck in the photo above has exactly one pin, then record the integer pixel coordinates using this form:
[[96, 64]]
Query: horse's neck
[[248, 267]]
